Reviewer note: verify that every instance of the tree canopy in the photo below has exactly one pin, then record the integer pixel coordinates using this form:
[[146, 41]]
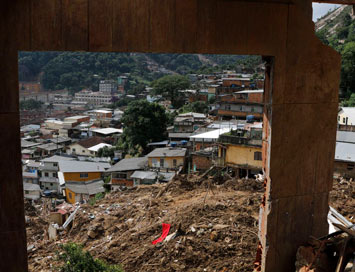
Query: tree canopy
[[144, 122], [197, 106], [168, 87], [30, 104]]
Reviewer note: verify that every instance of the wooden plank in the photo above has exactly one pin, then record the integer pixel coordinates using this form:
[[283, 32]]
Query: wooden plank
[[341, 2], [231, 30], [75, 24], [206, 21], [162, 22], [100, 25], [46, 25], [131, 25], [186, 26]]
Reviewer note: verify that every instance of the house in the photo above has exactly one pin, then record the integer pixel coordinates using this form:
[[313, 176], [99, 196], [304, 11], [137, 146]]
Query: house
[[49, 149], [83, 191], [81, 179], [82, 147], [30, 172], [344, 164], [31, 191], [107, 132], [207, 139], [94, 149], [240, 104], [121, 172], [241, 150], [167, 157], [186, 124], [202, 160], [49, 168], [151, 177], [346, 116]]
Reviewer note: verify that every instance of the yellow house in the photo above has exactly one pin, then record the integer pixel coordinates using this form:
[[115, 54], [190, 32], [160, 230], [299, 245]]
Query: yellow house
[[81, 180], [167, 157], [241, 153]]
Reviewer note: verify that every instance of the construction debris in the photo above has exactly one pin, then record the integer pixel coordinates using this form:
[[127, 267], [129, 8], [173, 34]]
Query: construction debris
[[218, 235]]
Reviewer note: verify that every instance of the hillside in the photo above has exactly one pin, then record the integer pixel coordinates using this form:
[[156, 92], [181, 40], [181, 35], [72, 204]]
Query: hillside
[[337, 29], [78, 70]]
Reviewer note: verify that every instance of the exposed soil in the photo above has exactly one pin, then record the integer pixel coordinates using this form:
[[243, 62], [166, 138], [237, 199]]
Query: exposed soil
[[217, 226]]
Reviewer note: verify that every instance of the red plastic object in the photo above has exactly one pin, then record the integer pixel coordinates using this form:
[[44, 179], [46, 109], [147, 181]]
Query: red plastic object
[[165, 232]]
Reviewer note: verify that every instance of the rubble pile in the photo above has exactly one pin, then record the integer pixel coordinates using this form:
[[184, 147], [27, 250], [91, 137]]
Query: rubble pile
[[342, 197], [215, 228]]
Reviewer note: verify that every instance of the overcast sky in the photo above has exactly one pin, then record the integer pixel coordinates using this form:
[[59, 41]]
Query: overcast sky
[[320, 9]]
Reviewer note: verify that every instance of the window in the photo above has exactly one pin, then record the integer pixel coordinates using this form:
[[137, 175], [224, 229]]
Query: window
[[51, 184], [154, 162], [84, 175], [161, 162], [83, 151], [46, 174], [54, 175], [257, 156], [73, 149], [91, 152], [55, 164], [174, 162], [350, 166], [343, 120], [27, 192], [339, 118]]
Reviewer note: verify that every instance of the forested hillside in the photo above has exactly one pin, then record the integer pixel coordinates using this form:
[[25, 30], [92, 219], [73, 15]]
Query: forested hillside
[[337, 29], [77, 70]]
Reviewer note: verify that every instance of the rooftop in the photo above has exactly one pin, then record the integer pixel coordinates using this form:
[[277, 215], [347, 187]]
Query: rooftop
[[89, 187], [96, 148], [129, 164], [345, 152], [57, 158], [168, 152], [90, 142], [107, 131], [81, 166], [164, 176]]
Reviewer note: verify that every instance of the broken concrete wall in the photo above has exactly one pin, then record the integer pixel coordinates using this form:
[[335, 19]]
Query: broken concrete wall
[[301, 99]]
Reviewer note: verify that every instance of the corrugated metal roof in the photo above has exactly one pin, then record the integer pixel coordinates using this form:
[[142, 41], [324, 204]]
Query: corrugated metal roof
[[167, 152], [31, 187], [96, 148], [82, 167], [107, 131], [89, 187], [345, 152], [346, 136], [129, 164], [56, 158], [150, 175]]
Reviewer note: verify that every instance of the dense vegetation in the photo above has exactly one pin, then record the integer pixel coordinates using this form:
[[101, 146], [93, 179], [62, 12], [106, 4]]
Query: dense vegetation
[[76, 259], [144, 122], [339, 33], [30, 104], [169, 86], [79, 70]]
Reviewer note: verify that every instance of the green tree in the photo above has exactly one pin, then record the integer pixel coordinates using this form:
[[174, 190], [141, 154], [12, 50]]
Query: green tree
[[30, 104], [347, 84], [169, 86], [144, 122], [75, 259], [197, 106], [106, 152]]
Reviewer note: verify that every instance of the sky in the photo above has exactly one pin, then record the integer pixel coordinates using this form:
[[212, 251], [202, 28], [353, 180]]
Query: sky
[[321, 9]]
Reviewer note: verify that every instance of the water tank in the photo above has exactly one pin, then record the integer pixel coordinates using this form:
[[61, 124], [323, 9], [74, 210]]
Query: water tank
[[250, 118]]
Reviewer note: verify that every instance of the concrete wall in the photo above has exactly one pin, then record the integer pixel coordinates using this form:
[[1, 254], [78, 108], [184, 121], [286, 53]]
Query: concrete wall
[[242, 155], [301, 95], [76, 176]]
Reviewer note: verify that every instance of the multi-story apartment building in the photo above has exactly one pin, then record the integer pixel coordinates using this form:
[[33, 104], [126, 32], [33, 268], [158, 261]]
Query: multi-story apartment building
[[49, 173], [108, 86], [239, 105], [93, 98]]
